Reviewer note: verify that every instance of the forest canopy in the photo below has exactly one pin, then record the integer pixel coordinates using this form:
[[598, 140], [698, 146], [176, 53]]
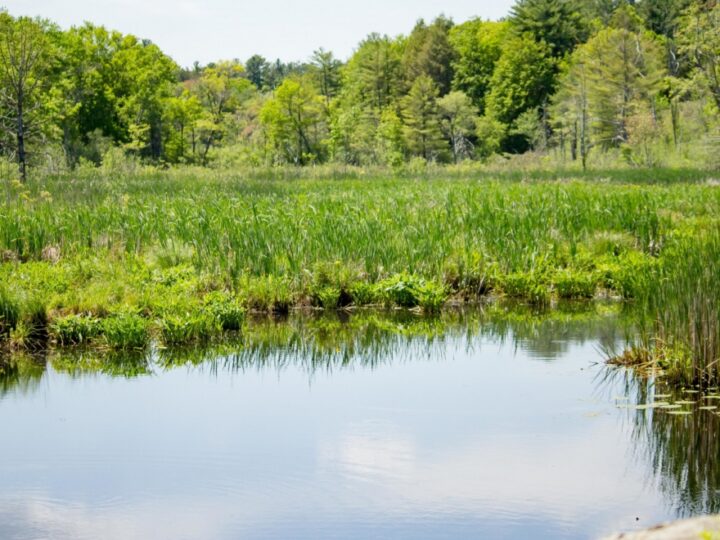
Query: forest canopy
[[577, 80]]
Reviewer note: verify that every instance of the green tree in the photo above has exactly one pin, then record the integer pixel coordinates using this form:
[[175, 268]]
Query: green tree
[[557, 23], [373, 75], [662, 16], [327, 74], [571, 108], [180, 114], [421, 116], [479, 46], [428, 51], [220, 90], [144, 78], [523, 79], [353, 133], [294, 122], [614, 76], [699, 39], [256, 70], [458, 120], [24, 66], [390, 143], [490, 134]]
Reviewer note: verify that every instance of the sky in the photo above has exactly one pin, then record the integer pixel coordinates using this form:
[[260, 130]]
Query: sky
[[208, 30]]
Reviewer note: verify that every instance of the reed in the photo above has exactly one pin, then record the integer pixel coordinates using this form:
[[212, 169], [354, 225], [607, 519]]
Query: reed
[[185, 253]]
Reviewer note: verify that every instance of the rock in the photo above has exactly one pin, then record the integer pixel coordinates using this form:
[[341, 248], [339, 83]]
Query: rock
[[689, 529]]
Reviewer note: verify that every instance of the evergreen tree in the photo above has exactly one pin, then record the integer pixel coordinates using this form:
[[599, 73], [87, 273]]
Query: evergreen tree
[[699, 39], [256, 70], [421, 117], [662, 16], [327, 74], [619, 73], [428, 52], [557, 23], [373, 76]]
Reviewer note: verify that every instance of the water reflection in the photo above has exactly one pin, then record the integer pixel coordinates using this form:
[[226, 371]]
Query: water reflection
[[476, 423], [327, 342], [682, 451]]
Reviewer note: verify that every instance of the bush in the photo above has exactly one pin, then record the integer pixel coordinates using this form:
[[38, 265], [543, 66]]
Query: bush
[[180, 329], [75, 329], [225, 309], [409, 291], [573, 284], [363, 294], [9, 313], [126, 331], [528, 286], [327, 297]]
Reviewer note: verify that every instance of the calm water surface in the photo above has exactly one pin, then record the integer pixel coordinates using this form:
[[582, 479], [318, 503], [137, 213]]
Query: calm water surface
[[336, 429]]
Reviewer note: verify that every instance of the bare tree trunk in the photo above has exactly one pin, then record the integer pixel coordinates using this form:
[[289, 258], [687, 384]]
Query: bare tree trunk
[[22, 166]]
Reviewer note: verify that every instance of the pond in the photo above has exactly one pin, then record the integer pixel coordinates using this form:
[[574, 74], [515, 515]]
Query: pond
[[368, 425]]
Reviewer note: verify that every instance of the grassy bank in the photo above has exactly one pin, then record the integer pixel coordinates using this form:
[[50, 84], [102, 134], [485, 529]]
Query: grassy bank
[[120, 259]]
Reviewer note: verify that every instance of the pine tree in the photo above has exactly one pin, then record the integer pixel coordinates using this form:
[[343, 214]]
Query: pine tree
[[615, 75], [428, 52], [421, 117], [557, 23]]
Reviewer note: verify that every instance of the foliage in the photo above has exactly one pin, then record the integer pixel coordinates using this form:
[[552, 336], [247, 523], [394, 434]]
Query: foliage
[[428, 52], [125, 330], [558, 78], [557, 23], [421, 116], [522, 81], [293, 120]]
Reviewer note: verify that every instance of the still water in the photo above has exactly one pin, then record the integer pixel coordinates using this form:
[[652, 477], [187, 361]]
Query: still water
[[362, 426]]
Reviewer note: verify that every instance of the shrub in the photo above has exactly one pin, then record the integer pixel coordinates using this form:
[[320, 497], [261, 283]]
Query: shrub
[[528, 286], [75, 329], [363, 294], [409, 291], [179, 329], [9, 313], [574, 284], [225, 309], [125, 331]]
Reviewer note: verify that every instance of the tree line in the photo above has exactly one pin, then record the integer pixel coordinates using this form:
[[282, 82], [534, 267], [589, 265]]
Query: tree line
[[574, 77]]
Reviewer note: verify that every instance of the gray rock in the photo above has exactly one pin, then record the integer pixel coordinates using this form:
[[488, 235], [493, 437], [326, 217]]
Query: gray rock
[[702, 528]]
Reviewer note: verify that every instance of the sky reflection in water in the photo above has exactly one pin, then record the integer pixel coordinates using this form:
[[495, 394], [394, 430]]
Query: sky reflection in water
[[476, 428]]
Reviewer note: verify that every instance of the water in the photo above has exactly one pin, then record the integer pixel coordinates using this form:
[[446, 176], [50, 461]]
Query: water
[[464, 427]]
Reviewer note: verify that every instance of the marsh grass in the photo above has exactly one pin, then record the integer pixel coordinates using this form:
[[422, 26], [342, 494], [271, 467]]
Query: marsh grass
[[681, 311], [9, 313], [178, 254], [126, 331]]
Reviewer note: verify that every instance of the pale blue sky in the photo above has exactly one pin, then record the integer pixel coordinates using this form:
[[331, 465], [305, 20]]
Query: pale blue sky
[[208, 30]]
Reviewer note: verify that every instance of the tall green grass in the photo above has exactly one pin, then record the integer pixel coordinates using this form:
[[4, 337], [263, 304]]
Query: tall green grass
[[681, 309], [189, 252]]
